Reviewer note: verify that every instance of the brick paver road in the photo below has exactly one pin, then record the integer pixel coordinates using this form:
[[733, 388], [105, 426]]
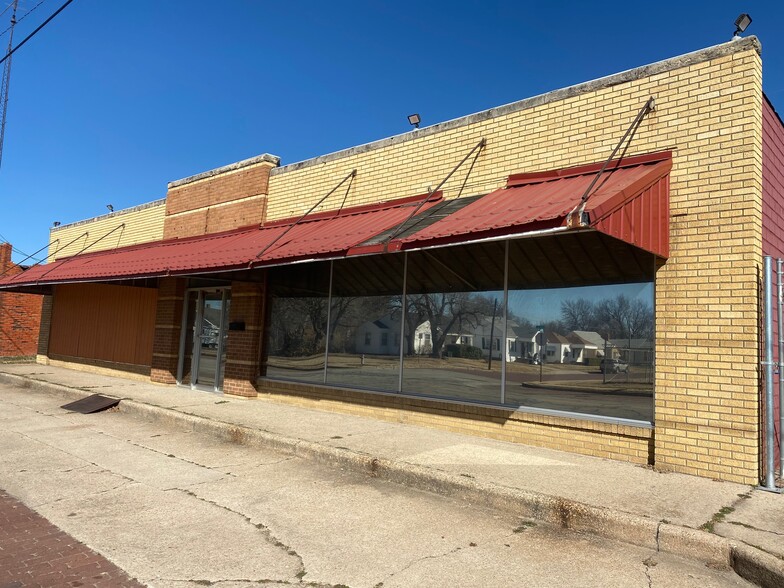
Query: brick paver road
[[33, 552]]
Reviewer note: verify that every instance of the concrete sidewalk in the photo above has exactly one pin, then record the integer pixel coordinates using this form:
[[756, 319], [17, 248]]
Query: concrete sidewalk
[[719, 523]]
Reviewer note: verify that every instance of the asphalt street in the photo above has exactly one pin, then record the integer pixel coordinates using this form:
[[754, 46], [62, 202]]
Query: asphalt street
[[175, 508]]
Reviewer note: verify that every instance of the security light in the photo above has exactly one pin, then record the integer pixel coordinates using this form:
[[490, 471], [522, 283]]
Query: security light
[[110, 207], [56, 224], [741, 24], [414, 120]]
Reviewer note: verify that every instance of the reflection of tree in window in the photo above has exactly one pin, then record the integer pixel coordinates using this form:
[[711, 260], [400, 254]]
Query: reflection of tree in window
[[297, 326], [449, 314], [619, 317]]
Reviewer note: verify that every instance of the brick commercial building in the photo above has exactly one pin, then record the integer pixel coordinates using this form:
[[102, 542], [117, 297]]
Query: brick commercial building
[[509, 274], [20, 314]]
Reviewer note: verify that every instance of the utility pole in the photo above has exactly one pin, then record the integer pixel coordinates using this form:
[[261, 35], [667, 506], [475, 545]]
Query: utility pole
[[6, 78]]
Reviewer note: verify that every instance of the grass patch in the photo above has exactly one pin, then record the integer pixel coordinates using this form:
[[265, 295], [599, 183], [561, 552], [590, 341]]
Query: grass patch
[[717, 518]]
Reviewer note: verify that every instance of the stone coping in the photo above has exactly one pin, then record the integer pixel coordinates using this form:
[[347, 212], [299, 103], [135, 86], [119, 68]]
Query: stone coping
[[637, 73]]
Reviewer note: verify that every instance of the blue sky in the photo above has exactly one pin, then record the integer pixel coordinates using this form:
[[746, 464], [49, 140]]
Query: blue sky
[[112, 100]]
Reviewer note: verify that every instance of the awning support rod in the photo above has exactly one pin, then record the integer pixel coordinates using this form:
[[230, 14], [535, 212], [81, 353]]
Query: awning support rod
[[351, 175], [574, 218], [56, 250], [28, 257], [86, 247], [71, 242], [430, 193]]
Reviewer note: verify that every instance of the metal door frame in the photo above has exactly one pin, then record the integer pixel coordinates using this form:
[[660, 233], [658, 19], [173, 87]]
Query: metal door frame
[[196, 350]]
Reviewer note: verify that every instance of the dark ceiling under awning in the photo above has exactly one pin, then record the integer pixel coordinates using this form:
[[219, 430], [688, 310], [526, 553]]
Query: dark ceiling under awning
[[616, 236]]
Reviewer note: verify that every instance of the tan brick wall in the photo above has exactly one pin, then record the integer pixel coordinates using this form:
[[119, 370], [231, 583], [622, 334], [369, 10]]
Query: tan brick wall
[[621, 442], [168, 325], [243, 346], [709, 113], [142, 224], [223, 200]]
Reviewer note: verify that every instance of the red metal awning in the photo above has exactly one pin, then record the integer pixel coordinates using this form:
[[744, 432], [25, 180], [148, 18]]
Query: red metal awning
[[630, 202], [327, 234]]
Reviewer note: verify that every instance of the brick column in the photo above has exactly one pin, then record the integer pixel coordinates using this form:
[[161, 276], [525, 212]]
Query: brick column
[[20, 314], [168, 324], [5, 257], [44, 329], [244, 346]]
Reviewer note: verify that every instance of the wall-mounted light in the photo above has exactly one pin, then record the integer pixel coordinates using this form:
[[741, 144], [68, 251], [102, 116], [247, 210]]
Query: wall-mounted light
[[741, 24], [414, 120], [110, 207]]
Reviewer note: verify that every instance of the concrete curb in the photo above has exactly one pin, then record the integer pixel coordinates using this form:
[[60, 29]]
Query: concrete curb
[[757, 566], [749, 562]]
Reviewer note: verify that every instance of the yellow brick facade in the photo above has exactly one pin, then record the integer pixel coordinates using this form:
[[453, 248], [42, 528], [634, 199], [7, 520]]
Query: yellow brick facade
[[611, 441], [709, 113], [141, 224]]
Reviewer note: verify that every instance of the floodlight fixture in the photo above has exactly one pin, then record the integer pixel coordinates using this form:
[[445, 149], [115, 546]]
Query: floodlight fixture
[[56, 224], [741, 24], [414, 120], [110, 207]]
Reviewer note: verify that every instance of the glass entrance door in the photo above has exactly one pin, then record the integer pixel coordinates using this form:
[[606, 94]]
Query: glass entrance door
[[203, 344]]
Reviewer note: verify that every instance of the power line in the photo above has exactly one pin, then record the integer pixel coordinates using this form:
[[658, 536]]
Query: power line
[[30, 36], [21, 18], [10, 4]]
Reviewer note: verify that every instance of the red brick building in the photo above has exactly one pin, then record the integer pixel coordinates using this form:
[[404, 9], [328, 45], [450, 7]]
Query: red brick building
[[20, 314]]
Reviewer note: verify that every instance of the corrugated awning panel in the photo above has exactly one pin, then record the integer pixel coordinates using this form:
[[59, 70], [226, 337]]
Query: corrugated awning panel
[[629, 202], [320, 235]]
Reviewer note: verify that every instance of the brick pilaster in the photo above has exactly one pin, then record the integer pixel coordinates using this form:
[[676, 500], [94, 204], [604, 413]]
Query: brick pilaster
[[244, 346], [168, 324], [46, 325]]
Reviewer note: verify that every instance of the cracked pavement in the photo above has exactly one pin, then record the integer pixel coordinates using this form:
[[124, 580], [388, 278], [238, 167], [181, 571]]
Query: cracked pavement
[[174, 508]]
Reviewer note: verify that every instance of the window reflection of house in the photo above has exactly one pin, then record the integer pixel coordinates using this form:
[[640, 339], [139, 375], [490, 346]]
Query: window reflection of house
[[559, 348], [585, 346], [382, 337]]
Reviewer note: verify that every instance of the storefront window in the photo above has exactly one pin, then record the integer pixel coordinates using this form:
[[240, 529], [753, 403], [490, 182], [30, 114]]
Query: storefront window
[[362, 353], [454, 302], [548, 328], [598, 343], [297, 333]]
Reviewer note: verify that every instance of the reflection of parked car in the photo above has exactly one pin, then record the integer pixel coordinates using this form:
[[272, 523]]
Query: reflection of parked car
[[614, 366]]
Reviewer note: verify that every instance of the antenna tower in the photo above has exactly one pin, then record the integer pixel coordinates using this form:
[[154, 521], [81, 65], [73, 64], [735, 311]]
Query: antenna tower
[[6, 78]]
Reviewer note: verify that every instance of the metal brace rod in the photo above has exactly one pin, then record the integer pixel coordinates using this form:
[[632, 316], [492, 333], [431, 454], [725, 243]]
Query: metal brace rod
[[71, 242], [649, 106], [83, 249], [430, 193], [351, 175], [26, 258]]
